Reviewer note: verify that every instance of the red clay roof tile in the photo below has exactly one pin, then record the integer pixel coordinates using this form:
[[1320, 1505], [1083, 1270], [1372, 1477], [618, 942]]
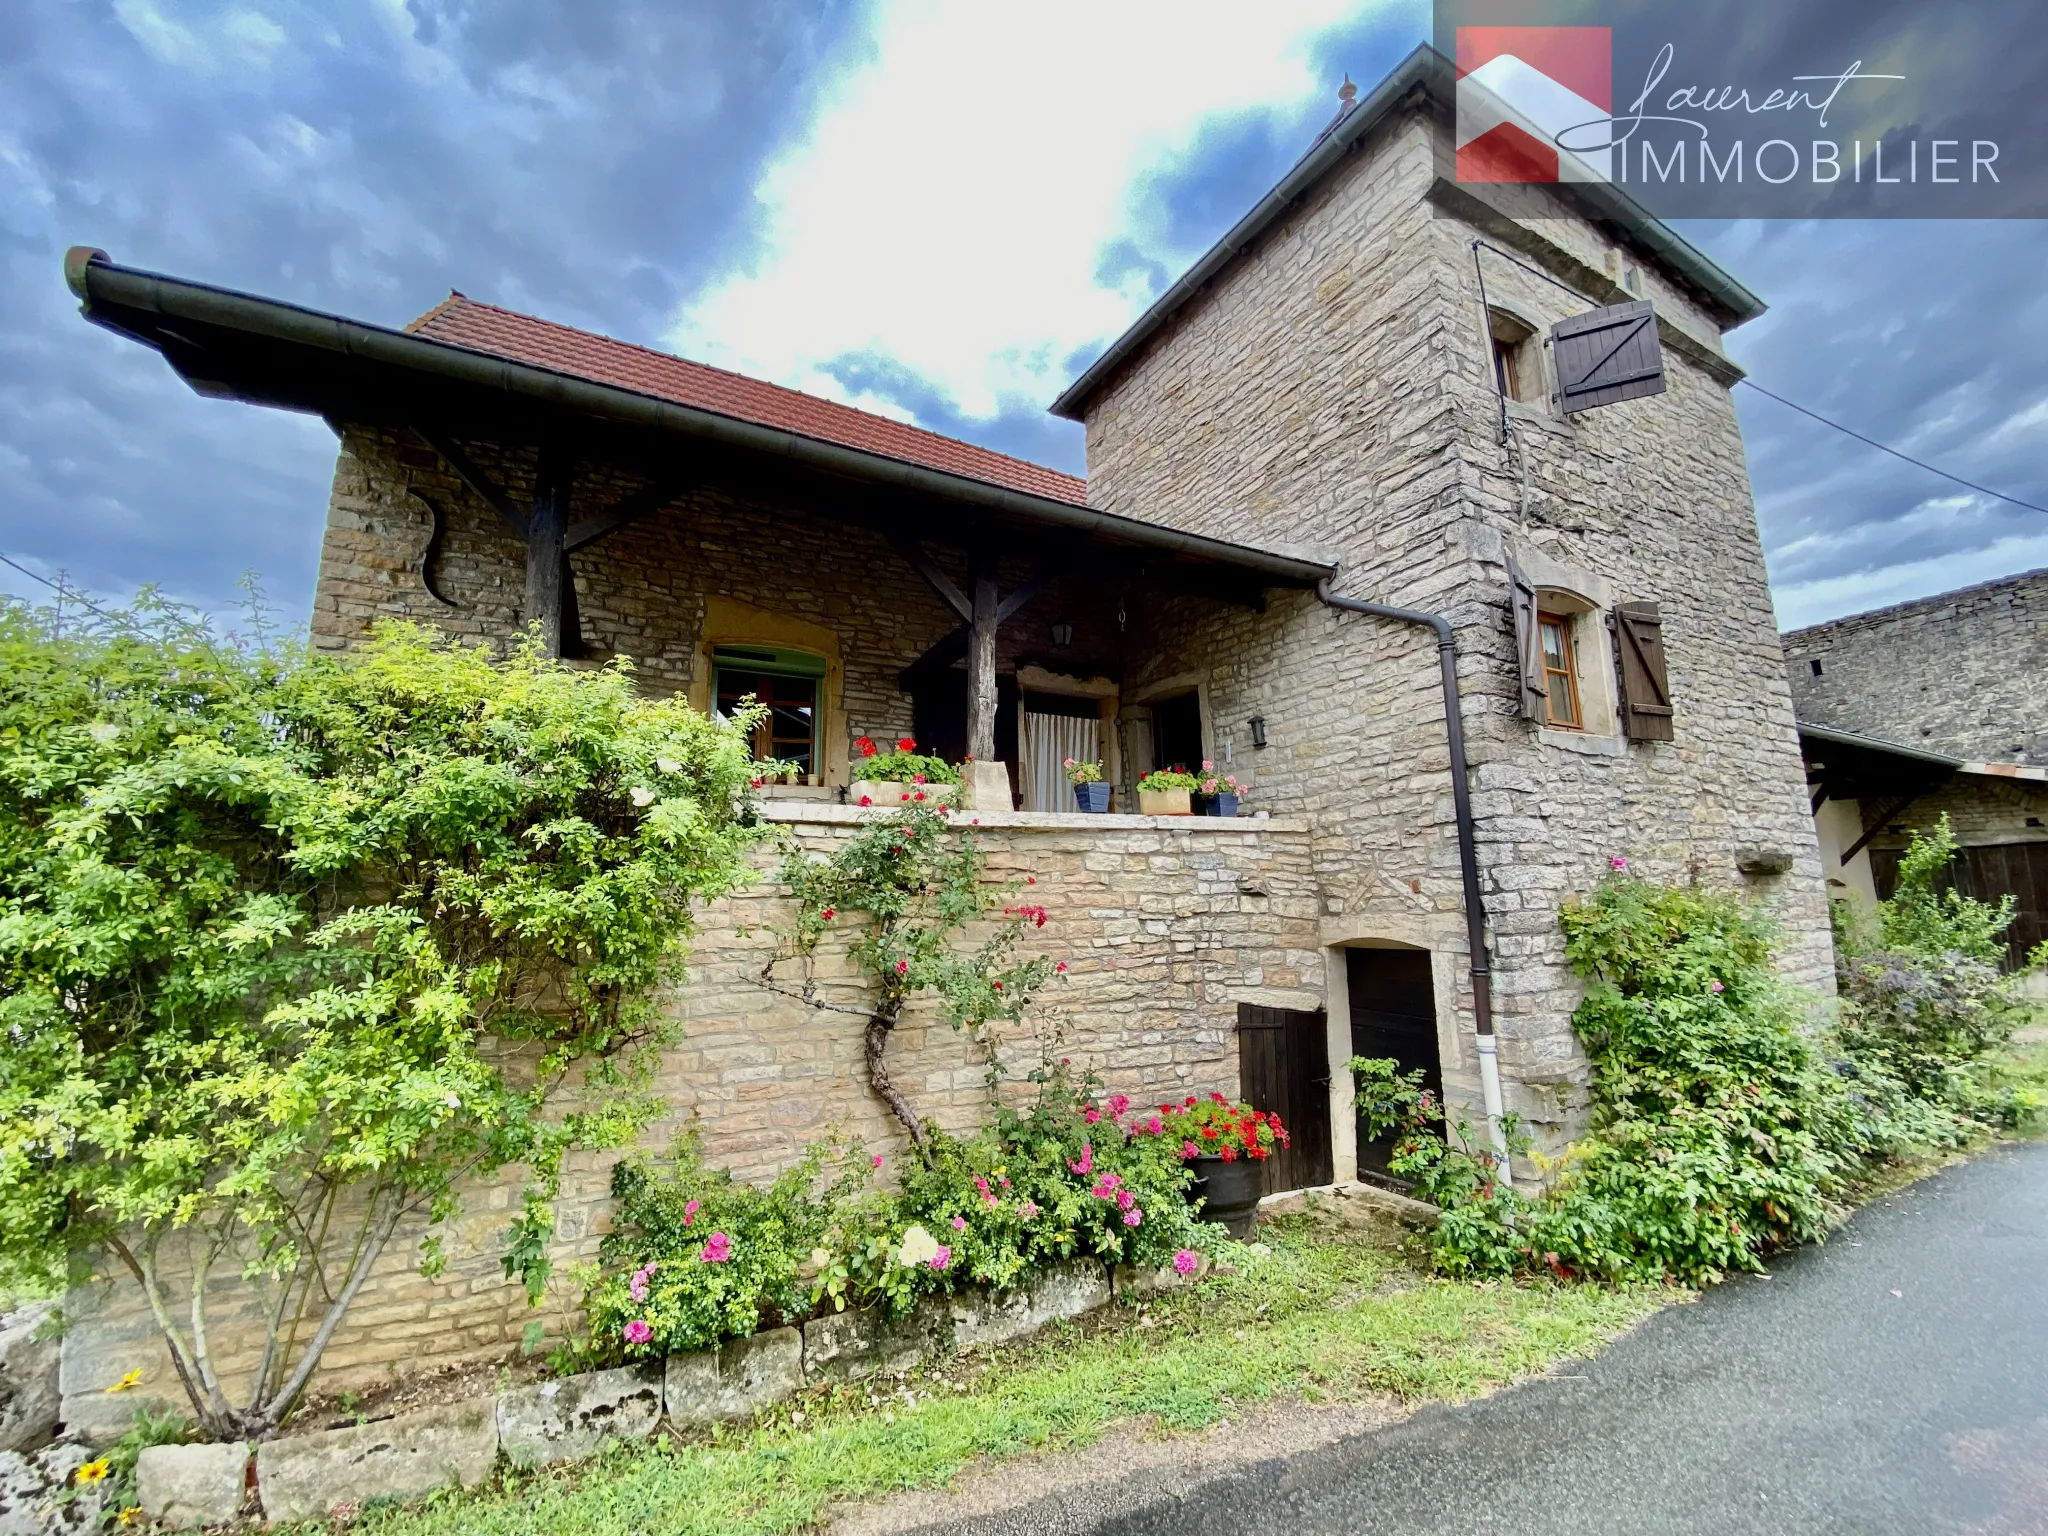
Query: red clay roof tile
[[463, 322]]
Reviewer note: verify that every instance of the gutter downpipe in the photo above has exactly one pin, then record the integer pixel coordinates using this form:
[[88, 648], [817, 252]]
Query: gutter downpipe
[[1468, 855]]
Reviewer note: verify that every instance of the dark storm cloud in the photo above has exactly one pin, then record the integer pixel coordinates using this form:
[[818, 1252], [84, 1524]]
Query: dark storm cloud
[[1932, 337], [590, 162]]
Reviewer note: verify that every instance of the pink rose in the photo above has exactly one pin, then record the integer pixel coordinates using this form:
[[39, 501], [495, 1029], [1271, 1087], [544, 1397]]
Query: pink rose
[[942, 1258], [1087, 1164], [959, 1223], [1133, 1216], [1189, 1149], [1152, 1125], [1185, 1262], [718, 1250], [1119, 1102], [637, 1331]]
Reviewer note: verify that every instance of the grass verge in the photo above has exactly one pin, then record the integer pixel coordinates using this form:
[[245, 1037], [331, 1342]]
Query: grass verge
[[1325, 1314]]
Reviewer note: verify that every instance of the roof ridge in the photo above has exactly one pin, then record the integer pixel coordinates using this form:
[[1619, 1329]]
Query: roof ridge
[[458, 300], [1933, 599]]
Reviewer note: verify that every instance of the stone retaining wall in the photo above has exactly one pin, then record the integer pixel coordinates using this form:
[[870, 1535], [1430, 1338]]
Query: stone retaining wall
[[303, 1477]]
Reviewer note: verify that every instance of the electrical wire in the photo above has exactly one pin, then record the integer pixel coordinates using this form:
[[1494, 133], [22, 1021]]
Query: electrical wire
[[1981, 490]]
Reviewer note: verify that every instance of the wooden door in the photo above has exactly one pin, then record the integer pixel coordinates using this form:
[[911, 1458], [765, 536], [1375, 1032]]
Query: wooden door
[[1393, 1013], [1284, 1068]]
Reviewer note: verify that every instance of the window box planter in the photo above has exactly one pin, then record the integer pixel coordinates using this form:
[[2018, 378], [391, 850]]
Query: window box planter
[[1164, 802], [894, 794], [1092, 797], [1228, 1192], [1215, 805]]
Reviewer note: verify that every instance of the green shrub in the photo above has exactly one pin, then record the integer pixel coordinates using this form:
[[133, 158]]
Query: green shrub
[[1923, 1002], [267, 925], [1072, 1176], [1921, 917], [1721, 1125], [695, 1257]]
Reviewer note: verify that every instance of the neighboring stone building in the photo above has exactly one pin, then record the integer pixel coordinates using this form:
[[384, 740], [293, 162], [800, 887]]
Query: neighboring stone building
[[1324, 401], [1931, 708]]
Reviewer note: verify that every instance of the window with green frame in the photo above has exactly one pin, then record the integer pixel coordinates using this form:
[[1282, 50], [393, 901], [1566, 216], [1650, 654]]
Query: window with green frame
[[789, 683]]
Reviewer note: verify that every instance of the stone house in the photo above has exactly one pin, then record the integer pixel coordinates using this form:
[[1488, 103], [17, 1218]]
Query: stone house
[[1331, 490], [1931, 708]]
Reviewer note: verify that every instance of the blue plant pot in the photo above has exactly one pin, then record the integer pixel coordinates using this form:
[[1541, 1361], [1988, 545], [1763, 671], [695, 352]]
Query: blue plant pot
[[1092, 797], [1216, 805]]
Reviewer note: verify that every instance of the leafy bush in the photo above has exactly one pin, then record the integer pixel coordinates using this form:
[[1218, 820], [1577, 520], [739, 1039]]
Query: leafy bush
[[1162, 780], [695, 1257], [1922, 918], [1923, 1000], [1069, 1177], [1721, 1127], [262, 922]]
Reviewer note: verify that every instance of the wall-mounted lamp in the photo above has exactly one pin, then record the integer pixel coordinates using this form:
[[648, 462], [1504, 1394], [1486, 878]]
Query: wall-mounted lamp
[[1258, 725], [1062, 635]]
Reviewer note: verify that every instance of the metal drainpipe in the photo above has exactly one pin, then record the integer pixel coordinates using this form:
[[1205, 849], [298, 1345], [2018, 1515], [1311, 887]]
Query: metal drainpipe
[[1468, 853]]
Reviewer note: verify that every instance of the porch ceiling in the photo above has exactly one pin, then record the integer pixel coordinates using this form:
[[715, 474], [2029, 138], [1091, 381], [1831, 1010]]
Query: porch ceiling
[[244, 347]]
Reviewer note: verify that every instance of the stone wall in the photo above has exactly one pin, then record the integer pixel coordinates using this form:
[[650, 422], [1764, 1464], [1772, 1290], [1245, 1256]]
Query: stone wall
[[1166, 924], [1333, 389], [1964, 673]]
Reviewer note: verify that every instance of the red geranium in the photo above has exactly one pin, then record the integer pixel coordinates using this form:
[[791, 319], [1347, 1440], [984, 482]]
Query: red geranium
[[1223, 1129], [906, 744], [867, 747]]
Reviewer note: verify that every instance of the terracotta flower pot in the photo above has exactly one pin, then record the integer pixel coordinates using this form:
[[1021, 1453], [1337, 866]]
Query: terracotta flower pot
[[1228, 1192], [1164, 802]]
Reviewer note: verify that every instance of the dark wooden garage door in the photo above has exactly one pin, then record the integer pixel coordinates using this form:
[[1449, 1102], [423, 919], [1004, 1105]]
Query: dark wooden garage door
[[1283, 1060], [2019, 870]]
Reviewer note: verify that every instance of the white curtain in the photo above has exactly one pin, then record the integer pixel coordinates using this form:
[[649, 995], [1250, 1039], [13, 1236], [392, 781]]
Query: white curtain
[[1048, 741]]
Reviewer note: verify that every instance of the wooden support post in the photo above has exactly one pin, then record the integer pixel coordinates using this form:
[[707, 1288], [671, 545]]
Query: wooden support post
[[547, 527], [981, 663]]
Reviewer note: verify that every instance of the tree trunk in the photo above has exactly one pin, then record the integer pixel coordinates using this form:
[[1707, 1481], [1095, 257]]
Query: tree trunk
[[880, 1026]]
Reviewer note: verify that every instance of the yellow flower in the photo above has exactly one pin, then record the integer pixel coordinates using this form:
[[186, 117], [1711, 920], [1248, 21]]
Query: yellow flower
[[132, 1379], [132, 1515], [93, 1471]]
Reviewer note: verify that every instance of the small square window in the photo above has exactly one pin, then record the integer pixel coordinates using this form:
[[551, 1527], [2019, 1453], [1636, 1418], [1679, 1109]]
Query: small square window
[[1560, 672]]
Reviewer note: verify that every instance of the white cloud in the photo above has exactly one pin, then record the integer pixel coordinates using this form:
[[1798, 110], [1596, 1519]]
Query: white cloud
[[1810, 602], [947, 204]]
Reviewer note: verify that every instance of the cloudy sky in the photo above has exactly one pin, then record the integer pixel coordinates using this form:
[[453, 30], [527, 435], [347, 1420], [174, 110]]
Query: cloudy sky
[[936, 210]]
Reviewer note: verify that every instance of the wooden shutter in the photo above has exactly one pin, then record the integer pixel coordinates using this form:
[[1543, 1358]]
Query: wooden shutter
[[1528, 644], [1606, 356], [1645, 682]]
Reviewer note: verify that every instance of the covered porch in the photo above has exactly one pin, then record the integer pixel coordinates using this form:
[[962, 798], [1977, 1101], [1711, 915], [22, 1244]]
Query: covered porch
[[860, 576]]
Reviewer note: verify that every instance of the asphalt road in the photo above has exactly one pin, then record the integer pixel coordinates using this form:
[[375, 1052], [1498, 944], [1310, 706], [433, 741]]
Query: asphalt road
[[1894, 1380]]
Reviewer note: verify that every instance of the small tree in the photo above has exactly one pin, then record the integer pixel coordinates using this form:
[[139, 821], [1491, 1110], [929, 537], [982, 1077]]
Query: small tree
[[290, 948], [908, 888], [1924, 917]]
